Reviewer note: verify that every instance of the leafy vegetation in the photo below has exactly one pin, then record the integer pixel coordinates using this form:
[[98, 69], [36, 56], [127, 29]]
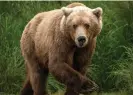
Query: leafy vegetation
[[112, 63]]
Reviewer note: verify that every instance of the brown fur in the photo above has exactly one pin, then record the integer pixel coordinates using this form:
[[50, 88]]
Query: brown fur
[[75, 4], [46, 48]]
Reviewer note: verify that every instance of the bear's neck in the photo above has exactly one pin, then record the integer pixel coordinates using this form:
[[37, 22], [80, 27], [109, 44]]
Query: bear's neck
[[62, 32]]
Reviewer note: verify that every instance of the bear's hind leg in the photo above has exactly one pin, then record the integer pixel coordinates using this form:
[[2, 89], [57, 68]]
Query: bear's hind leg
[[38, 82], [27, 89], [37, 75]]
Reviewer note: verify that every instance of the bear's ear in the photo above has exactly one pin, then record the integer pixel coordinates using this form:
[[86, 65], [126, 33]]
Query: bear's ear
[[98, 12], [66, 10]]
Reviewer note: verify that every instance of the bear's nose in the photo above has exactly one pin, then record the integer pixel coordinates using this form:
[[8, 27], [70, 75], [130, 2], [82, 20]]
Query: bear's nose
[[81, 39]]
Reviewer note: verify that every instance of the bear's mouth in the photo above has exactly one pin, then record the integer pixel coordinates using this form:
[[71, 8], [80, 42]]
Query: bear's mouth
[[80, 44]]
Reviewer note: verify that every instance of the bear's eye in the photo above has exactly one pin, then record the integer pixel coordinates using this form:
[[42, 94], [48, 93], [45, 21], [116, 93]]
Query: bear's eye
[[75, 26], [86, 25]]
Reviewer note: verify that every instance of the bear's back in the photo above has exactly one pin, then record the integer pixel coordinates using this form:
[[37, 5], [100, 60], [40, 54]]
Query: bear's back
[[41, 21], [38, 33]]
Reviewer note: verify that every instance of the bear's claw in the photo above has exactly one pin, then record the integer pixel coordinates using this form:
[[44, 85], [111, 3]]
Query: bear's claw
[[90, 90]]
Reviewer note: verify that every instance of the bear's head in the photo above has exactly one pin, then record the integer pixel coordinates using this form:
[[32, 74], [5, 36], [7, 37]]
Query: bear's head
[[82, 23]]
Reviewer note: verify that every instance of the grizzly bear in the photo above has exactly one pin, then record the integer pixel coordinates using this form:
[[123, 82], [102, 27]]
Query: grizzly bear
[[61, 42]]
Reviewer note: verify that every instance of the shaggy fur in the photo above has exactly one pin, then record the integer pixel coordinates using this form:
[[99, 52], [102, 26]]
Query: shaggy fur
[[48, 45]]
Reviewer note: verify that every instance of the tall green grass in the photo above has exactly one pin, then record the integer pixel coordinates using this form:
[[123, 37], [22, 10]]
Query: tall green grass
[[112, 63]]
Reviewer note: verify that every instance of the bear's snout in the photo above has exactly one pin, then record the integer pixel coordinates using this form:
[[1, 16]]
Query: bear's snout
[[81, 40]]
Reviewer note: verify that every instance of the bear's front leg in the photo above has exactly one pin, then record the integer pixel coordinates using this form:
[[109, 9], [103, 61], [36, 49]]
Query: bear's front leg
[[93, 86], [82, 58], [70, 91], [66, 74]]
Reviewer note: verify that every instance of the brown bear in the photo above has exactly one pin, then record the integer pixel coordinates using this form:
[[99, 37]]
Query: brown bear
[[61, 42]]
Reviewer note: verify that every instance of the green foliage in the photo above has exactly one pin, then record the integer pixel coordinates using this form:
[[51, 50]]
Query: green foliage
[[112, 60], [112, 63], [113, 93]]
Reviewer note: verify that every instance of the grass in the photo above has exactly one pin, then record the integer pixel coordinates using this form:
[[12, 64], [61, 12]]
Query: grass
[[112, 62], [112, 93], [62, 93]]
